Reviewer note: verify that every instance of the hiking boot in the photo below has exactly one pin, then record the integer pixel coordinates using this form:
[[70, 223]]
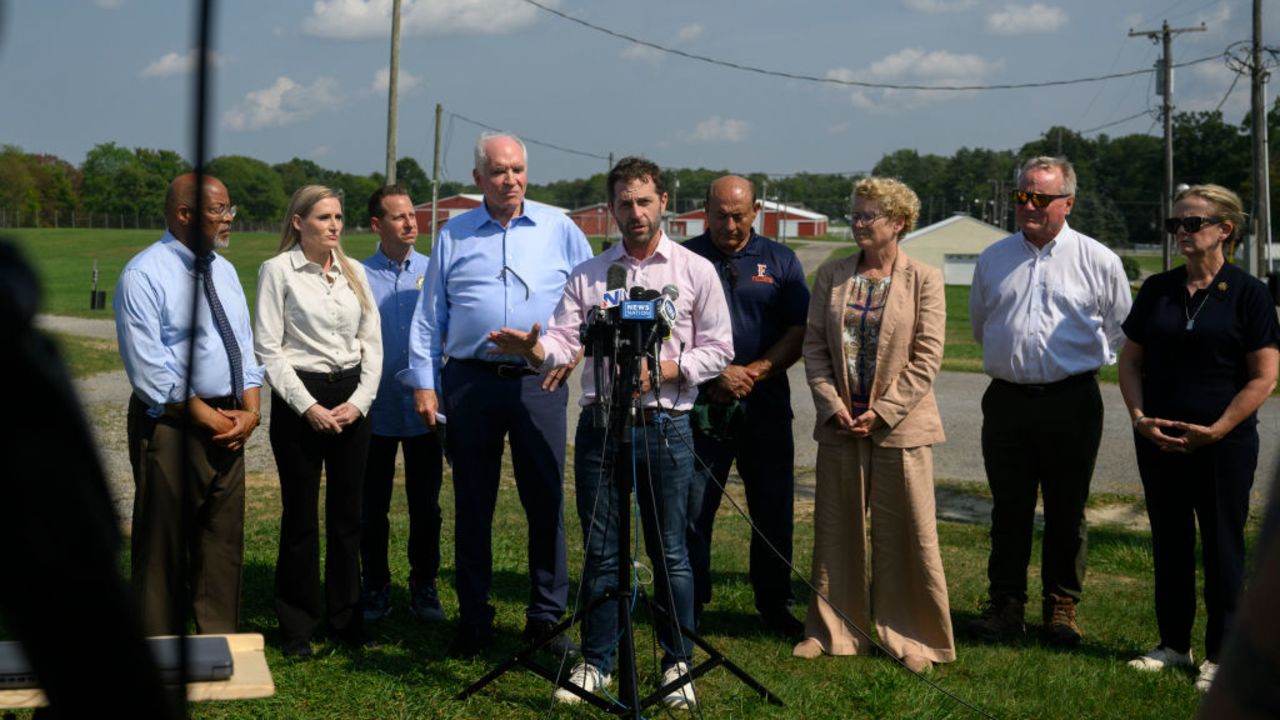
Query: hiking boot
[[1060, 629], [1161, 657], [424, 602], [587, 677], [560, 645], [1002, 617], [376, 604]]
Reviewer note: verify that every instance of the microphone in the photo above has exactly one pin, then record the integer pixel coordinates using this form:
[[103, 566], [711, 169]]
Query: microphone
[[667, 306], [615, 286]]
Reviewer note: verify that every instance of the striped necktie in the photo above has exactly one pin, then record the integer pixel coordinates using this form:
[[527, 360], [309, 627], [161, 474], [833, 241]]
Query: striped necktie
[[203, 267]]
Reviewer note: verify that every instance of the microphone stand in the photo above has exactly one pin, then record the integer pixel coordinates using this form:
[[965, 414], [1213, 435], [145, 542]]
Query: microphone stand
[[622, 413]]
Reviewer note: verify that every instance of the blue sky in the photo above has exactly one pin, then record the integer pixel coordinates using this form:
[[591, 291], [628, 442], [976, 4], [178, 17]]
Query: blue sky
[[307, 78]]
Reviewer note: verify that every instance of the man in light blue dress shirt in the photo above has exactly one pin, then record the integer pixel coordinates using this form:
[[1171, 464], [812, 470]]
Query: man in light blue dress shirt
[[396, 272], [503, 264], [194, 413]]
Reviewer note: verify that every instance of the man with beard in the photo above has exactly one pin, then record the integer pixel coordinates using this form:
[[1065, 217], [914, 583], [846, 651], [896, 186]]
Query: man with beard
[[698, 349], [204, 413]]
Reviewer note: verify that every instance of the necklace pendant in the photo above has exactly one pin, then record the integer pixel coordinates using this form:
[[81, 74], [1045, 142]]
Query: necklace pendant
[[1190, 323]]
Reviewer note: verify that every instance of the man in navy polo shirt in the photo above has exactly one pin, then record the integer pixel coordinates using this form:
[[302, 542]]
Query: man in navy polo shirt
[[745, 413], [396, 272]]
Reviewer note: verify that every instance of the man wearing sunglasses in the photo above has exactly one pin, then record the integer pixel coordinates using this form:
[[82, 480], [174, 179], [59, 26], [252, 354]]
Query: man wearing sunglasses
[[1046, 304], [503, 264], [744, 414]]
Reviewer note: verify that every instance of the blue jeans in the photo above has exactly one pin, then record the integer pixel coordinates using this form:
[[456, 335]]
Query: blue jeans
[[663, 469]]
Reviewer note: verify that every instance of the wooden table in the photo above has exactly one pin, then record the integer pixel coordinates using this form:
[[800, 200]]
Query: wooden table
[[251, 678]]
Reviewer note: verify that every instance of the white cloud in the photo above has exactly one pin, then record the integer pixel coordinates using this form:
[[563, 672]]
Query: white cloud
[[175, 64], [689, 33], [1020, 19], [320, 151], [109, 4], [934, 7], [382, 81], [642, 53], [838, 128], [717, 129], [913, 66], [284, 102], [368, 19]]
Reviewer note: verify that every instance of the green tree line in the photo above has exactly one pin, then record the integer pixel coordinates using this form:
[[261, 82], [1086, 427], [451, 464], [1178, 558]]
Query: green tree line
[[1118, 197]]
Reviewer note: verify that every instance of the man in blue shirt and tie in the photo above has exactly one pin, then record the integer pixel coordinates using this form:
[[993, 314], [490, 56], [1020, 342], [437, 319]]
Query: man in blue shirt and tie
[[203, 414], [396, 272], [501, 265]]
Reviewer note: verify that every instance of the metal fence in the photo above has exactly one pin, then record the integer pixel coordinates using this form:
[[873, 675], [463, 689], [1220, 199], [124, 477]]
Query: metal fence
[[11, 218]]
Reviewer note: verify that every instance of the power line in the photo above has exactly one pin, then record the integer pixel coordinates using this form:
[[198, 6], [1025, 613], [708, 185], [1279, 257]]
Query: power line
[[1116, 122], [529, 140], [1223, 101], [848, 83]]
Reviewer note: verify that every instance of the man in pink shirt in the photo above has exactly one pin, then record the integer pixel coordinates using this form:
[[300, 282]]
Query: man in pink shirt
[[699, 348]]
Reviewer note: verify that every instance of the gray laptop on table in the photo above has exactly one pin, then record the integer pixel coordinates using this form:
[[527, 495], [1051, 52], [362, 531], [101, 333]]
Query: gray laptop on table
[[208, 659]]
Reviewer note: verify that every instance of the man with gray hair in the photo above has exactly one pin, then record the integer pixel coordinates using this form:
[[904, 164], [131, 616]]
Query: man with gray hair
[[1046, 305], [501, 265]]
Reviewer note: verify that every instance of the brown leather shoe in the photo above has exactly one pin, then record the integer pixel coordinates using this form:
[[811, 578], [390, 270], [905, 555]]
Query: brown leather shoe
[[1060, 629], [1002, 617]]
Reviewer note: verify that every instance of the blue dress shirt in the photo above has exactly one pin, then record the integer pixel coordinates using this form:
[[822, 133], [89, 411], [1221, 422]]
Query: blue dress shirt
[[152, 303], [395, 287], [483, 277]]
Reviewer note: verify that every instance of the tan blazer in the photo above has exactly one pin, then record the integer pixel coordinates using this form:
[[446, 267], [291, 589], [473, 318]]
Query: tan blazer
[[908, 356]]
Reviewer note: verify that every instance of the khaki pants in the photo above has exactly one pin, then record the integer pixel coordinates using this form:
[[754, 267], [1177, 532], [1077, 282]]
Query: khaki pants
[[906, 589]]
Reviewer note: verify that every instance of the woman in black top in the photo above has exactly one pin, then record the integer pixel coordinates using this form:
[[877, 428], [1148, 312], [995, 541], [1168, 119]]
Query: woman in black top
[[1200, 359]]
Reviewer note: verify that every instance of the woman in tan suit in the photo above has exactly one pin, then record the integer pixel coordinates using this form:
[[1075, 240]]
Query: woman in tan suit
[[872, 349]]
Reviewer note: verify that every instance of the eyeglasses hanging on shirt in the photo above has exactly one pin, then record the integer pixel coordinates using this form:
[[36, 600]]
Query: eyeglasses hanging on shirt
[[730, 272], [508, 269]]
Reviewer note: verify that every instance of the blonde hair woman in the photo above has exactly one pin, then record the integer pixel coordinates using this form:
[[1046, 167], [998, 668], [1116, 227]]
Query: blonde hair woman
[[318, 335], [1199, 360], [872, 348]]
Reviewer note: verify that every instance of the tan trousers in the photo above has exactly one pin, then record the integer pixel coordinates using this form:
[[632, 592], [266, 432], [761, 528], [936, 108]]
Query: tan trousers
[[906, 589]]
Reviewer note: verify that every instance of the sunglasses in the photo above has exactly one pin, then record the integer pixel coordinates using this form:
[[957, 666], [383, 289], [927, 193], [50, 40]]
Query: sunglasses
[[1039, 200], [1190, 224]]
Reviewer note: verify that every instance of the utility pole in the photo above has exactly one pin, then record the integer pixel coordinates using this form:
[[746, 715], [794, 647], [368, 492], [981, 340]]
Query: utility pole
[[1165, 36], [435, 173], [393, 82], [1258, 262]]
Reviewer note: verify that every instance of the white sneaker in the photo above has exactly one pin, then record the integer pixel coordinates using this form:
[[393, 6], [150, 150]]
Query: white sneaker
[[585, 676], [1208, 669], [682, 696], [1161, 657]]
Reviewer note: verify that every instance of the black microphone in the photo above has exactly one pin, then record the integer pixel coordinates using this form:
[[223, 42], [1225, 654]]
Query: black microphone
[[667, 306], [616, 277]]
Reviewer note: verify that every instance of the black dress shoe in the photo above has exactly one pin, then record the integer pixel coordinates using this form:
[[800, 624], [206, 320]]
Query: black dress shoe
[[297, 649], [560, 645], [469, 641], [783, 623]]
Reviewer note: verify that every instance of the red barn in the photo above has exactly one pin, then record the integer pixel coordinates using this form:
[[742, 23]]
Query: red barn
[[593, 219], [795, 222], [451, 207]]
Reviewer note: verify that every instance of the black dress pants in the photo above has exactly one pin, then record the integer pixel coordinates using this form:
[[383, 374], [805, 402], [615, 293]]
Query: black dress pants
[[1211, 485], [301, 453], [1040, 438], [423, 467]]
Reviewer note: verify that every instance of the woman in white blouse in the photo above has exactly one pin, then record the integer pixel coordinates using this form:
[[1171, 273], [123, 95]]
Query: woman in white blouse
[[318, 336]]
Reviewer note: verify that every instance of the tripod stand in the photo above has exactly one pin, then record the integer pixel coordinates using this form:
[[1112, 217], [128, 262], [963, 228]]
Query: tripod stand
[[619, 421]]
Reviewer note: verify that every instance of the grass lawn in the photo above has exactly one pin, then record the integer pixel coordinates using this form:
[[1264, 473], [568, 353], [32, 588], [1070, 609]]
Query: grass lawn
[[410, 676], [87, 356]]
